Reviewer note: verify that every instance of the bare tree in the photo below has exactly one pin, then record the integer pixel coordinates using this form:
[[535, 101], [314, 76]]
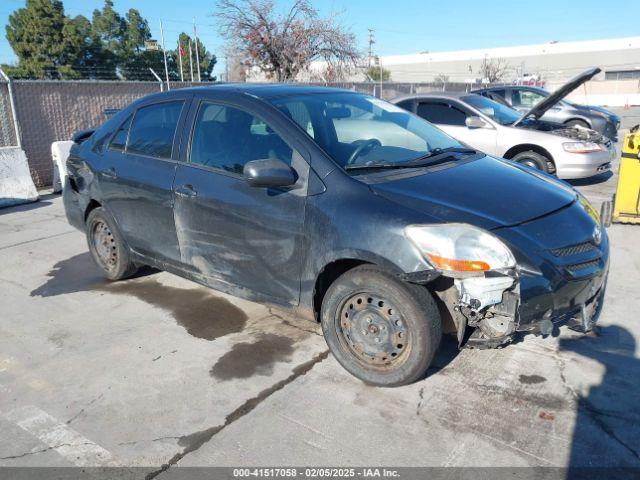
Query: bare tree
[[493, 69], [283, 45], [442, 78]]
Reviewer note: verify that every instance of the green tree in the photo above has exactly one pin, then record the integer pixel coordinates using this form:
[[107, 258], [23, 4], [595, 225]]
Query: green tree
[[35, 34], [84, 53], [207, 60], [374, 73], [136, 32], [110, 28]]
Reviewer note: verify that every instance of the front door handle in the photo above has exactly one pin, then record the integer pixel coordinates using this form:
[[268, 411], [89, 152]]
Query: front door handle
[[186, 191], [110, 173]]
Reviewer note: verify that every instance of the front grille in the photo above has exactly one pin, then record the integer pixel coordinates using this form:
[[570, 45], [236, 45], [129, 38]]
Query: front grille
[[582, 266], [574, 249]]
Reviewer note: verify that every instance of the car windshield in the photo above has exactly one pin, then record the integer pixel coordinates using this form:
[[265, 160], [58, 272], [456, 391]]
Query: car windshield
[[359, 131], [496, 111]]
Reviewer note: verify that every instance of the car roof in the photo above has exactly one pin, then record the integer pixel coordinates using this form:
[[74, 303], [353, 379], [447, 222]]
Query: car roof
[[443, 95], [263, 91], [512, 87]]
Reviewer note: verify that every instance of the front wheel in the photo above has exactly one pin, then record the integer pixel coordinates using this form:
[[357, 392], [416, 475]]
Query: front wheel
[[577, 123], [382, 330], [534, 160]]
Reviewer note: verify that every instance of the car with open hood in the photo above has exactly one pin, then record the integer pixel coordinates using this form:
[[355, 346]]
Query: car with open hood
[[495, 128], [345, 208], [523, 98]]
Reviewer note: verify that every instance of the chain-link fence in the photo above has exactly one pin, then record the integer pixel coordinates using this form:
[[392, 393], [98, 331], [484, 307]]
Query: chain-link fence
[[7, 130], [389, 90], [48, 111]]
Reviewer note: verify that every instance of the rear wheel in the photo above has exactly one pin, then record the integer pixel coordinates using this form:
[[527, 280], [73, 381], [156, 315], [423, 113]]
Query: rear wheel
[[107, 247], [382, 330], [534, 160]]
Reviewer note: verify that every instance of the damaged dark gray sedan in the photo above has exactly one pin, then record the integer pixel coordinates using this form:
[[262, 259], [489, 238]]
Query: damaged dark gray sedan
[[344, 207]]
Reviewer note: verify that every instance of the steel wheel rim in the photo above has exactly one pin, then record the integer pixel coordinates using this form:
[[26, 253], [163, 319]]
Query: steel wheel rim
[[373, 330], [530, 163], [104, 245]]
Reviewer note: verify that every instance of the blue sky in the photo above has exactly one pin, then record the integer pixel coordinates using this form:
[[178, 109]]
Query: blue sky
[[402, 26]]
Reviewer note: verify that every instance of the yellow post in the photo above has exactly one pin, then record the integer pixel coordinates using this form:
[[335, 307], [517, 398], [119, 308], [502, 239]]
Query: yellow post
[[627, 200]]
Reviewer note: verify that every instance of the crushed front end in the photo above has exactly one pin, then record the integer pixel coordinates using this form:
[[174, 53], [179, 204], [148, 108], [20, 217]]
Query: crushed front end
[[559, 277]]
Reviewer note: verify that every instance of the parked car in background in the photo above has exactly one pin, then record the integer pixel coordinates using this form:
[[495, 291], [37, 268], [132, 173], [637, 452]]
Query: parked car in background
[[344, 207], [497, 129], [523, 98]]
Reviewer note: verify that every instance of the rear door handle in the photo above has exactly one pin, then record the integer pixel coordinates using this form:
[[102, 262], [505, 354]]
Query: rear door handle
[[186, 191], [110, 173]]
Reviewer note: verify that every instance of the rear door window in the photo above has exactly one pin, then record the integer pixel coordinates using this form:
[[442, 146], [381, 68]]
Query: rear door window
[[153, 130], [442, 113]]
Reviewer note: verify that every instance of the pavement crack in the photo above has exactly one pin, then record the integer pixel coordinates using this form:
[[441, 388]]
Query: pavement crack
[[420, 400], [291, 324], [82, 410], [194, 441], [37, 239], [35, 452]]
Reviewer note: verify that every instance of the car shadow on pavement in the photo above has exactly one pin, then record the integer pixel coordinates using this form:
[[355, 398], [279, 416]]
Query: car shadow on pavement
[[595, 180], [77, 274], [17, 205], [606, 434]]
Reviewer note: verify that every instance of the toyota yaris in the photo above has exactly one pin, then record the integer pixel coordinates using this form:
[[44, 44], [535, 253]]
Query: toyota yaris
[[344, 207]]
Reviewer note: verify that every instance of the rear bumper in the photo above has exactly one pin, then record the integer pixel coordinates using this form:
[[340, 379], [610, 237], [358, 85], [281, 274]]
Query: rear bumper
[[584, 165], [72, 206]]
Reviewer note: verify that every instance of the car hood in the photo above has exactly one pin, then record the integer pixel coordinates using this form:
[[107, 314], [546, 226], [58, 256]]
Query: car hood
[[488, 192], [541, 108]]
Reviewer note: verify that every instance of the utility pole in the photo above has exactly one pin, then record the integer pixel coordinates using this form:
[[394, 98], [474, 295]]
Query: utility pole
[[164, 52], [195, 37], [371, 42], [190, 60], [180, 51]]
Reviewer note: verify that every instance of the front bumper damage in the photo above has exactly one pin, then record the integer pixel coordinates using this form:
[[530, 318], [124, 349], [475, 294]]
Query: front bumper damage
[[488, 311]]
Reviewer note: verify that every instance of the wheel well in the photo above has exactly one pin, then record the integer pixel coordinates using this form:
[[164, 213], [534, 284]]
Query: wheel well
[[327, 276], [581, 120], [513, 151], [92, 205]]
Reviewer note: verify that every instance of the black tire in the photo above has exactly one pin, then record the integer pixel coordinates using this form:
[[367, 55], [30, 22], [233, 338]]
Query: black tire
[[533, 159], [577, 123], [108, 249], [403, 317]]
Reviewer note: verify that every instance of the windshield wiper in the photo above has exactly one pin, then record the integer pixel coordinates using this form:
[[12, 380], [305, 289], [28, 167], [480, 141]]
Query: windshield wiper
[[438, 154], [428, 159], [374, 165]]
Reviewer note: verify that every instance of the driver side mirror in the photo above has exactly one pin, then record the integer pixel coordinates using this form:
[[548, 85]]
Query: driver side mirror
[[269, 172], [475, 122]]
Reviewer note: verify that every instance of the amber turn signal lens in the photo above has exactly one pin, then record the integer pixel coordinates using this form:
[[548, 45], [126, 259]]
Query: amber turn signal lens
[[458, 265]]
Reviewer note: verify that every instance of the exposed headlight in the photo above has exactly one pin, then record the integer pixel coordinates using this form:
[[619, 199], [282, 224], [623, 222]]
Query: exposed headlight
[[458, 247], [586, 205], [581, 147]]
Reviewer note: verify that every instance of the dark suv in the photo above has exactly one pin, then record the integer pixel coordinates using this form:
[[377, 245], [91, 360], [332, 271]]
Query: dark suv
[[344, 207]]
